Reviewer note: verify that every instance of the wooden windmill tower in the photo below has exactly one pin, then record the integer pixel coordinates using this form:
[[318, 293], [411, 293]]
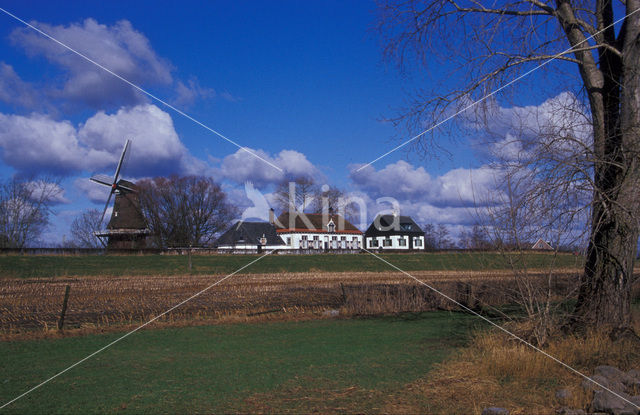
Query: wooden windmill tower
[[127, 228]]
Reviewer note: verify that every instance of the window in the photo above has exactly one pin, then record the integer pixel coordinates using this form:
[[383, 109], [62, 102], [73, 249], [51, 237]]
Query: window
[[405, 226], [373, 243], [417, 242], [387, 242], [331, 227], [402, 241], [289, 241]]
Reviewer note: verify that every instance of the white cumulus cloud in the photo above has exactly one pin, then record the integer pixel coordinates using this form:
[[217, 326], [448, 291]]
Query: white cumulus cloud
[[156, 148], [405, 182], [400, 180], [39, 144], [119, 47], [243, 166]]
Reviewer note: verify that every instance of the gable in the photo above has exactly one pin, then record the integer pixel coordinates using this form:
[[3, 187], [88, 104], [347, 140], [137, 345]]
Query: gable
[[542, 245]]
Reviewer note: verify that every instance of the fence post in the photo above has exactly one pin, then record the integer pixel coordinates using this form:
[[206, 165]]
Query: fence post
[[344, 294], [64, 307]]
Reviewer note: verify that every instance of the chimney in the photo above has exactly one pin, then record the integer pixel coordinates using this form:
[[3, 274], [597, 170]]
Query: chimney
[[272, 216]]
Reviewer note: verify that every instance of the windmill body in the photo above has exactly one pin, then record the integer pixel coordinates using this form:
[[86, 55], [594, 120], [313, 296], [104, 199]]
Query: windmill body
[[127, 228]]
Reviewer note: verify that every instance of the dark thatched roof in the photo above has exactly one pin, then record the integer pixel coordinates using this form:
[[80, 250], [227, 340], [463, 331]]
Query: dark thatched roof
[[385, 225], [250, 233]]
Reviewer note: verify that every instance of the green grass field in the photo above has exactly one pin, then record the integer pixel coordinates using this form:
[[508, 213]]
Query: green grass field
[[223, 368], [53, 266]]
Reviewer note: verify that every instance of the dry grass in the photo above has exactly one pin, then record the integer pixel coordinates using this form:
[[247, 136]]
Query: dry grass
[[102, 303], [496, 370]]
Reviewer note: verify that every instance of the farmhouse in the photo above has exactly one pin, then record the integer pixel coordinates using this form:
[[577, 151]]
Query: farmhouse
[[394, 232], [542, 245], [250, 236], [317, 231]]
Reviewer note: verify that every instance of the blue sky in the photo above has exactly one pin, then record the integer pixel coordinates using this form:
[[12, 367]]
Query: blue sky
[[302, 83]]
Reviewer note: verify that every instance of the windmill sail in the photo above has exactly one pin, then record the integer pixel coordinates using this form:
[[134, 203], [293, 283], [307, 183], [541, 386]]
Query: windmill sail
[[113, 183], [101, 179]]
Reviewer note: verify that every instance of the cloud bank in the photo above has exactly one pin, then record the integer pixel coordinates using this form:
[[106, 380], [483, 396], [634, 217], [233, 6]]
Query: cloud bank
[[37, 143]]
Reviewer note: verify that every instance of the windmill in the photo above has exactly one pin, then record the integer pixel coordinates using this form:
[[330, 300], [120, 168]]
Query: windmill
[[127, 228]]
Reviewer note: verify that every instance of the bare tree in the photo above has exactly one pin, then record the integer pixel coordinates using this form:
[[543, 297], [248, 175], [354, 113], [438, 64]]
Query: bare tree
[[503, 39], [430, 243], [25, 205], [475, 239], [331, 197], [528, 210], [296, 194], [442, 237], [184, 211], [83, 229]]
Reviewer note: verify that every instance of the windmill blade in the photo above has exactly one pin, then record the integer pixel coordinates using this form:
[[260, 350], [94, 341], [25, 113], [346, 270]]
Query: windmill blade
[[124, 152], [102, 179], [119, 185], [105, 208]]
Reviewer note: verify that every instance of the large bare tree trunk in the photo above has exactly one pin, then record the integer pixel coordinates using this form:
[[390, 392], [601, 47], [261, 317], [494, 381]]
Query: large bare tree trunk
[[605, 294], [500, 39]]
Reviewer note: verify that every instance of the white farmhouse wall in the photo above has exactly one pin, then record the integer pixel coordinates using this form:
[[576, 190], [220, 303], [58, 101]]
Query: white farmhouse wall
[[395, 242], [315, 240]]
